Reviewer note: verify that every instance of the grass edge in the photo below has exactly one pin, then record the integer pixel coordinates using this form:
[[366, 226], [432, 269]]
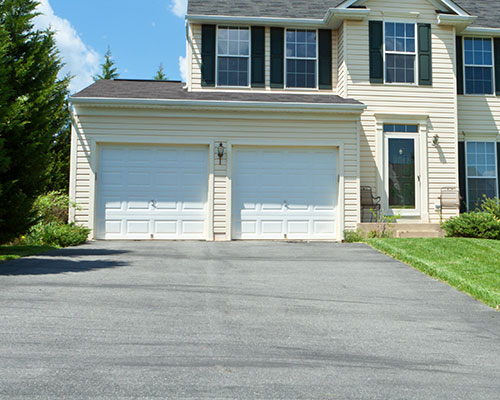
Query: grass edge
[[458, 283]]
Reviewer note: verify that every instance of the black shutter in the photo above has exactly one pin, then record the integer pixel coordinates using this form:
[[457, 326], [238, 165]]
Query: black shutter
[[376, 35], [424, 54], [277, 57], [497, 65], [460, 66], [258, 56], [208, 55], [462, 177], [498, 167], [325, 59]]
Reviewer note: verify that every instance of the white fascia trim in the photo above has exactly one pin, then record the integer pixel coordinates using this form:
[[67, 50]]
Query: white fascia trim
[[455, 7], [482, 31], [225, 105], [277, 21], [447, 19]]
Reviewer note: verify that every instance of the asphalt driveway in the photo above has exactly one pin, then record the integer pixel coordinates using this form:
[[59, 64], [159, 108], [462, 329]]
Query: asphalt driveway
[[239, 320]]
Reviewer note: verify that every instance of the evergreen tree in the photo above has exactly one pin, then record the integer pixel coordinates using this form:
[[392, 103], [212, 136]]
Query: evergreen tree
[[58, 163], [160, 74], [32, 110], [109, 71]]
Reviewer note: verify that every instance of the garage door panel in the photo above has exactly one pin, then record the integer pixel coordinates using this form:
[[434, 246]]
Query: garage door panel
[[165, 227], [248, 227], [321, 227], [138, 205], [272, 205], [138, 226], [113, 226], [113, 204], [152, 191], [298, 227], [282, 192], [162, 205], [193, 227], [272, 227]]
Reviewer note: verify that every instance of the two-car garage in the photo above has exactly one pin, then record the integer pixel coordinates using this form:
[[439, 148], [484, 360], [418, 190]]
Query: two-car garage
[[163, 192], [145, 163]]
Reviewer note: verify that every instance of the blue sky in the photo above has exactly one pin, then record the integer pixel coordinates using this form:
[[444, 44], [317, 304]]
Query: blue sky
[[141, 35]]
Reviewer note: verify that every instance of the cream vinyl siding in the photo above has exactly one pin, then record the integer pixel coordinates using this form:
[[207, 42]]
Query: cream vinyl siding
[[437, 102], [194, 58], [341, 63], [479, 117], [194, 45], [109, 125]]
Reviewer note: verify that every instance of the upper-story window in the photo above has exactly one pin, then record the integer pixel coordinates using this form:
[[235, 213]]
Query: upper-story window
[[400, 52], [301, 58], [233, 56], [478, 62]]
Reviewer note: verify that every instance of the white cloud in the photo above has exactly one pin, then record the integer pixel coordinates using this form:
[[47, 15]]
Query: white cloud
[[81, 61], [179, 7], [183, 68]]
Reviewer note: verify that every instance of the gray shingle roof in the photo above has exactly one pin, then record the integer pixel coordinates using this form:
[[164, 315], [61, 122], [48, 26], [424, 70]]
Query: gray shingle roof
[[315, 9], [487, 11], [168, 90]]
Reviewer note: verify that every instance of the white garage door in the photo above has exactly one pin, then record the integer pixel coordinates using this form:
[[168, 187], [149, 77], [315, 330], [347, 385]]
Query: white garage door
[[152, 192], [284, 193]]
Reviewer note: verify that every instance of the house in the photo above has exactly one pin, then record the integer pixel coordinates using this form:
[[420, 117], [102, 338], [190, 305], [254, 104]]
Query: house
[[290, 107]]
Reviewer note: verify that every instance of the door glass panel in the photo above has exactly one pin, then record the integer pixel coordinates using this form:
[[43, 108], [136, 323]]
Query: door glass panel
[[402, 173]]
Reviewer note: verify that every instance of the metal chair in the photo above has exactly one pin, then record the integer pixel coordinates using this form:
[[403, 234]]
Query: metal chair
[[369, 201]]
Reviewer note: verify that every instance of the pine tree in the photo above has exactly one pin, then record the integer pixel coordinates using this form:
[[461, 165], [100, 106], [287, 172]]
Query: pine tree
[[109, 71], [58, 163], [160, 74], [32, 110]]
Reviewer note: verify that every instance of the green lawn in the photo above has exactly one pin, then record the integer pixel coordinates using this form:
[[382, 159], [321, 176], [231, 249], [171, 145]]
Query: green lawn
[[13, 252], [470, 265]]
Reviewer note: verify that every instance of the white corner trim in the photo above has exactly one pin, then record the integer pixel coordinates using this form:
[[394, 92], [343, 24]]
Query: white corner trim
[[73, 170], [218, 104]]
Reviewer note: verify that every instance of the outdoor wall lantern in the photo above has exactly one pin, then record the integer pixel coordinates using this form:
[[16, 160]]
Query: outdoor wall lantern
[[220, 152], [435, 140]]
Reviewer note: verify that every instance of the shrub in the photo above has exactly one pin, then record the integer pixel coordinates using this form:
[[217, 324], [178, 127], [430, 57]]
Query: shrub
[[480, 225], [384, 225], [56, 234], [491, 206], [52, 207], [353, 236]]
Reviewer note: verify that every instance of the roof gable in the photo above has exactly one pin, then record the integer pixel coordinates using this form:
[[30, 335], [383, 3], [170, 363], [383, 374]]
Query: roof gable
[[487, 11]]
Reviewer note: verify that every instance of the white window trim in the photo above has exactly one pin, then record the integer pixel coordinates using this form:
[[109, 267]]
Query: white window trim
[[479, 177], [422, 120], [249, 58], [415, 53], [404, 212], [493, 83], [285, 58]]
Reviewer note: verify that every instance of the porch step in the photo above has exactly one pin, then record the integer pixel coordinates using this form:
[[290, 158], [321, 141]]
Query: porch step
[[405, 230], [418, 234]]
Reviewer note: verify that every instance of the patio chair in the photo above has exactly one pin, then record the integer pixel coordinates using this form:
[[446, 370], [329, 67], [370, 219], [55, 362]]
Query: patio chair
[[370, 202], [449, 198]]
